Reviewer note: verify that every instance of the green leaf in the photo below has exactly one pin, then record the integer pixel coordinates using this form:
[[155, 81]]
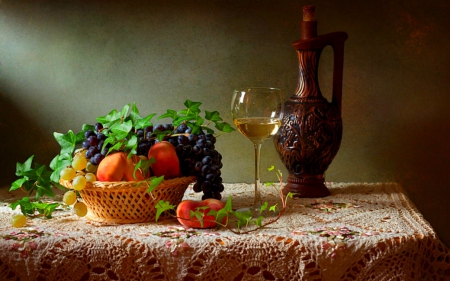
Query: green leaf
[[155, 181], [121, 130], [134, 114], [199, 215], [243, 217], [17, 184], [273, 208], [58, 163], [192, 106], [67, 141], [258, 221], [161, 207], [26, 166], [263, 207], [143, 122], [169, 114], [213, 116], [224, 127]]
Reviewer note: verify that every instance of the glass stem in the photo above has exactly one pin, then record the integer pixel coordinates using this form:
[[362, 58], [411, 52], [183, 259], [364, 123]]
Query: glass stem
[[257, 200]]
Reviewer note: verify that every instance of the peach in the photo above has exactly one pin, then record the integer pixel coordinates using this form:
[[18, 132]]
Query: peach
[[184, 216], [166, 160], [118, 167]]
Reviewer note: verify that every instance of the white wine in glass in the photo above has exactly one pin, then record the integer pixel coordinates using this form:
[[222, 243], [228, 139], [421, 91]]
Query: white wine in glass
[[257, 113]]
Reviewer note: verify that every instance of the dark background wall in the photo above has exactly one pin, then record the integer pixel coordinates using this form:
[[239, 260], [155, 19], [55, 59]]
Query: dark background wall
[[63, 63]]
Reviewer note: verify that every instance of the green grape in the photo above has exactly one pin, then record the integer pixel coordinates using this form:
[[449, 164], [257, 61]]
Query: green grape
[[90, 177], [80, 209], [70, 197], [91, 168], [67, 173], [18, 220], [79, 162], [79, 182]]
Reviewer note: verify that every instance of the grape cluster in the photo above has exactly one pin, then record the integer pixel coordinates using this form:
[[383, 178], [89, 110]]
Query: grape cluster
[[93, 144], [196, 153]]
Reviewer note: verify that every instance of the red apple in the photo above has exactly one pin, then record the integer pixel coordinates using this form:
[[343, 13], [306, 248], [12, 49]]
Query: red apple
[[184, 216], [166, 160]]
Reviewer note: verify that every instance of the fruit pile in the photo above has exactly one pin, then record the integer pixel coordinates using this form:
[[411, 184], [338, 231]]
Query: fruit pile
[[123, 146]]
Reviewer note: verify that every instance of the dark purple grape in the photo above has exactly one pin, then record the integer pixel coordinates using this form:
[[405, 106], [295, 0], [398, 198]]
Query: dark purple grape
[[198, 166], [173, 141], [197, 187], [207, 160], [98, 127], [88, 154], [206, 186], [206, 151], [181, 128], [93, 150], [168, 127], [217, 195], [182, 139], [197, 150], [100, 144], [148, 129], [158, 127], [218, 187], [210, 177], [206, 169], [207, 195], [201, 142], [140, 133], [97, 158], [188, 130], [93, 141], [211, 138], [101, 136], [88, 133], [187, 150], [192, 139], [85, 144]]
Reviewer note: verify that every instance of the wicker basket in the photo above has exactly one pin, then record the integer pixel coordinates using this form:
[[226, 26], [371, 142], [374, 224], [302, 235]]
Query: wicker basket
[[128, 202]]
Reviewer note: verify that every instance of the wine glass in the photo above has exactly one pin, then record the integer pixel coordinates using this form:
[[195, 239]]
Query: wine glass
[[257, 113]]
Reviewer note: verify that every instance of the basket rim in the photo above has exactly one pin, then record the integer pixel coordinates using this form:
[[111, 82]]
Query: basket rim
[[110, 185]]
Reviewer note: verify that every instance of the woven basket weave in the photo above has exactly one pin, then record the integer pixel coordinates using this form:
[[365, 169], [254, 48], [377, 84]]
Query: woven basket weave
[[128, 202]]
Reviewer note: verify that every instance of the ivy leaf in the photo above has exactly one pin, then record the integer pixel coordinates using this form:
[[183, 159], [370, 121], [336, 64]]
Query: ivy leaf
[[155, 181], [263, 207], [169, 114], [224, 127], [192, 105], [213, 116], [243, 217], [258, 221], [121, 130], [66, 141], [134, 114], [273, 208], [222, 213], [22, 168], [17, 184], [58, 163], [161, 207], [142, 123], [199, 215]]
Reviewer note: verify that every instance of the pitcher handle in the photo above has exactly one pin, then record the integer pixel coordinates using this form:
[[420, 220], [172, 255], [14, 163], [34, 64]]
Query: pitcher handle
[[336, 40]]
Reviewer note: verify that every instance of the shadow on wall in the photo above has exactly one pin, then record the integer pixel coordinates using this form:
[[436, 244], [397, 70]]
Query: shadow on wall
[[421, 154], [14, 124]]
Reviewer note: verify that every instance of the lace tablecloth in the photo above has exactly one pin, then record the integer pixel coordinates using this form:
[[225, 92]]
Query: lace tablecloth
[[360, 232]]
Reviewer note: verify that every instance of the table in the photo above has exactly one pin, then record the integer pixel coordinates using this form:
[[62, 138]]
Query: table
[[363, 231]]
